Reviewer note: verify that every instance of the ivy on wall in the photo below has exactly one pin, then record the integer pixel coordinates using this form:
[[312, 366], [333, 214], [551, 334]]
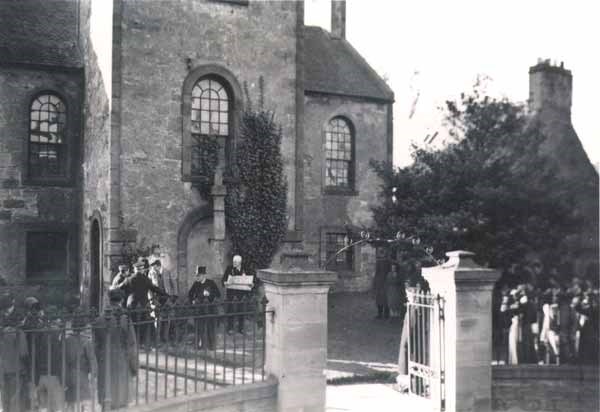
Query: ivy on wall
[[256, 205]]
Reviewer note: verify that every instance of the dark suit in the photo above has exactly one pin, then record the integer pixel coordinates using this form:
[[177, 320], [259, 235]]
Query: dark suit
[[203, 294], [138, 285]]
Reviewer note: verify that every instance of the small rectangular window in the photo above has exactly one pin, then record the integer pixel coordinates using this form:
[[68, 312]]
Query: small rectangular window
[[47, 256], [333, 243]]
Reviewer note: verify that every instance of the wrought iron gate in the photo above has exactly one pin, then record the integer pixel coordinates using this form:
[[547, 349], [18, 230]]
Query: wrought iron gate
[[426, 348]]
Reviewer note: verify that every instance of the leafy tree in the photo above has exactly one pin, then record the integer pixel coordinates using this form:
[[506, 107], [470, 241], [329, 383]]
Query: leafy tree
[[488, 190], [256, 205]]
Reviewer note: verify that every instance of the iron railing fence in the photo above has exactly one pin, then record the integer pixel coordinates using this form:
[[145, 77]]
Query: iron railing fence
[[426, 347], [82, 360]]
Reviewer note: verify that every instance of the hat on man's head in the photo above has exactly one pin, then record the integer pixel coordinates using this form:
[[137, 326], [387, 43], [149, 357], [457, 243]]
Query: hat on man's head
[[140, 263], [155, 262], [200, 270], [32, 303], [123, 267]]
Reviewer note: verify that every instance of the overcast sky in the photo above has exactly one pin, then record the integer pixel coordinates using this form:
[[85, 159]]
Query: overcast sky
[[437, 48]]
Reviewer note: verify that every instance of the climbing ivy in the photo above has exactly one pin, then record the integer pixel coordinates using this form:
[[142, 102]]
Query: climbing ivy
[[256, 204]]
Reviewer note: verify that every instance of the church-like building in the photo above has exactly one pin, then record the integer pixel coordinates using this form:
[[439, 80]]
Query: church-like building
[[88, 170]]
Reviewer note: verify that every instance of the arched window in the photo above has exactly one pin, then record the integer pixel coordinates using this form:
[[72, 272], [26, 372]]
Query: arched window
[[210, 124], [210, 108], [339, 154], [47, 137]]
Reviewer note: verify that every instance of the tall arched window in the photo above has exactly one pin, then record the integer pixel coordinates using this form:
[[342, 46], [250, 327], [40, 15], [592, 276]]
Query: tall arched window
[[339, 154], [210, 123], [210, 108], [47, 137]]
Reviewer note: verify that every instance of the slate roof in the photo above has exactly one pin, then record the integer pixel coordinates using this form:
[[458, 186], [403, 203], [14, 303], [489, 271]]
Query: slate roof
[[332, 65]]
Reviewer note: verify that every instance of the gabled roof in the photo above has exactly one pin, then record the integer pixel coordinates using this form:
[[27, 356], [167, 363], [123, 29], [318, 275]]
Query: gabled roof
[[332, 65]]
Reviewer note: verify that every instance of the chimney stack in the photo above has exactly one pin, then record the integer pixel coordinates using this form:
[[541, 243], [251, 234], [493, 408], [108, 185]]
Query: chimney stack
[[550, 87], [338, 18]]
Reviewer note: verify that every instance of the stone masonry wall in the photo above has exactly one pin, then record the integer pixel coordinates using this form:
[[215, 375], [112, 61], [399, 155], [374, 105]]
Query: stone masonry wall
[[324, 210], [161, 42], [96, 156], [533, 388], [29, 206]]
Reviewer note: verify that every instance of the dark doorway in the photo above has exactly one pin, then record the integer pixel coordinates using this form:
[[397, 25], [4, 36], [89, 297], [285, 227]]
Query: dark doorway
[[96, 265]]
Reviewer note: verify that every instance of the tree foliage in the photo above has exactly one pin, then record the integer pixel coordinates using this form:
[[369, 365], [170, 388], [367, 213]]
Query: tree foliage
[[488, 190], [256, 206]]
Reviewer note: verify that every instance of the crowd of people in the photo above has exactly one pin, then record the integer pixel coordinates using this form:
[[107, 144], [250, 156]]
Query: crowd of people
[[153, 297], [547, 322], [75, 357], [51, 360]]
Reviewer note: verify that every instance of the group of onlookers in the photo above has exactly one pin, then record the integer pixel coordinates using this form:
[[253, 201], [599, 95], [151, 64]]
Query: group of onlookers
[[548, 322], [56, 361], [68, 358]]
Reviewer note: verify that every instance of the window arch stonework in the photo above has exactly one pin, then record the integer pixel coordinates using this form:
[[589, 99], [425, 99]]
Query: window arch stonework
[[211, 103], [50, 142]]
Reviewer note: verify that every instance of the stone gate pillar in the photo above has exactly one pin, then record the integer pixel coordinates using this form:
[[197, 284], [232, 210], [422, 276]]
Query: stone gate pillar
[[467, 290], [296, 335]]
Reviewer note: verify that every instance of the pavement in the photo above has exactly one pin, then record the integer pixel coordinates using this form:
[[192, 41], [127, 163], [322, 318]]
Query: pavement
[[358, 346], [370, 397]]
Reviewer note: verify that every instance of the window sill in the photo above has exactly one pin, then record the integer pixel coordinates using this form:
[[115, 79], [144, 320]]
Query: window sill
[[38, 181], [339, 191]]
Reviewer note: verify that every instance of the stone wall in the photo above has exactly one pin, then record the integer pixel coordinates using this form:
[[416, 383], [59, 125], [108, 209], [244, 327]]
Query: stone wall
[[96, 156], [546, 388], [325, 211], [26, 206], [161, 42], [257, 397]]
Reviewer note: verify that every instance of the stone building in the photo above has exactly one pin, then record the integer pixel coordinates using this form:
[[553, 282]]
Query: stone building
[[94, 160], [550, 97]]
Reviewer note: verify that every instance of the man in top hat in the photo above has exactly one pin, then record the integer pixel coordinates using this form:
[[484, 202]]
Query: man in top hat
[[203, 292]]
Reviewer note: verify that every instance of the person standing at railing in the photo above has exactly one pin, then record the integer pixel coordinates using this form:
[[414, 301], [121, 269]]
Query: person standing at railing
[[138, 285], [157, 301], [80, 380], [13, 360], [237, 294], [202, 294], [587, 325], [119, 278], [116, 352]]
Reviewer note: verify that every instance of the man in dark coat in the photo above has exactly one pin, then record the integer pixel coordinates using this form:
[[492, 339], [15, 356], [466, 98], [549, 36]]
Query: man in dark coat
[[138, 285], [238, 296], [203, 293]]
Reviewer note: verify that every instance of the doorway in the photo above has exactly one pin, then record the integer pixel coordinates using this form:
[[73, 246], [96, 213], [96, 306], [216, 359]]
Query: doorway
[[96, 265]]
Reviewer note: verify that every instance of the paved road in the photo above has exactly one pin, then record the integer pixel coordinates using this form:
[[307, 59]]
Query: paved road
[[368, 398]]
